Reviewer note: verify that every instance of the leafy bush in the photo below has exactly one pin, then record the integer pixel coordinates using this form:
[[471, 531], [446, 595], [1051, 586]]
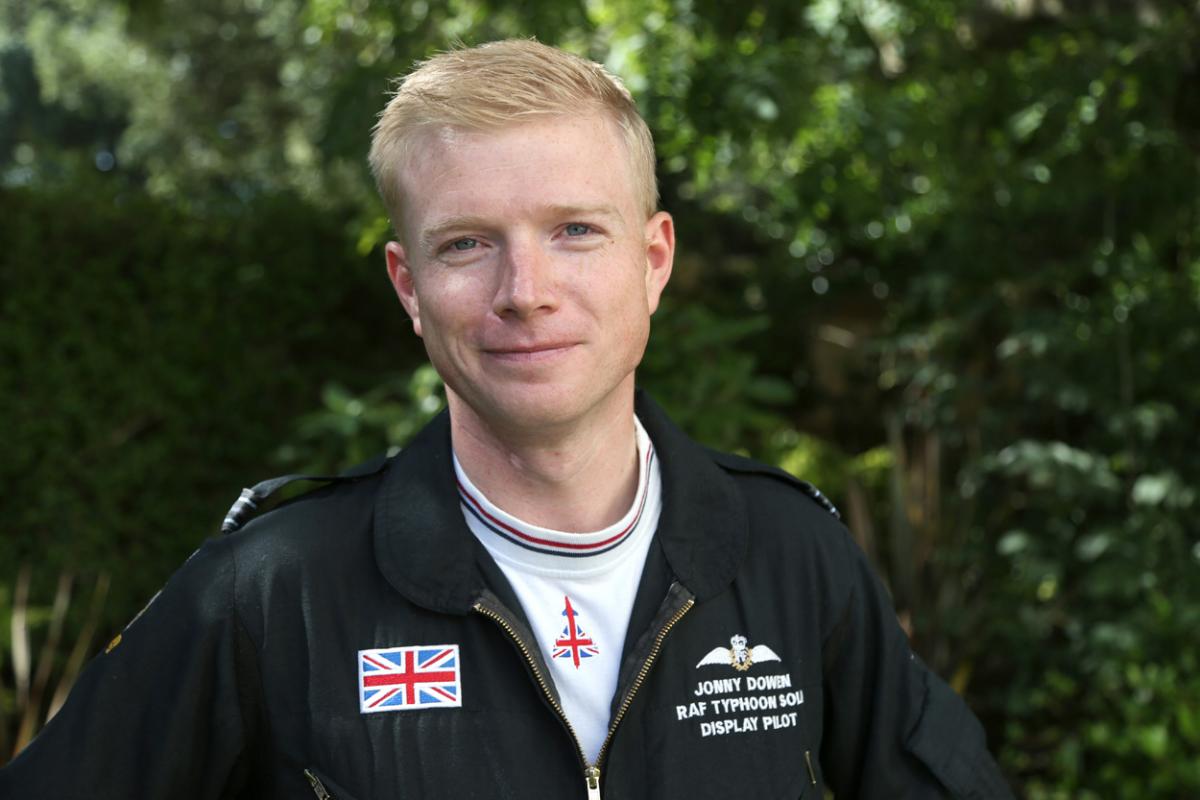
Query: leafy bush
[[155, 358]]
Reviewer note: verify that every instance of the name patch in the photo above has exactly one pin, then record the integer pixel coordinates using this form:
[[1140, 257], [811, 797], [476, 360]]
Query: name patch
[[723, 706]]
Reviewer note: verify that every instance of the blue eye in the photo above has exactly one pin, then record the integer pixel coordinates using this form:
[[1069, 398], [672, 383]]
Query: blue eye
[[464, 244], [578, 229]]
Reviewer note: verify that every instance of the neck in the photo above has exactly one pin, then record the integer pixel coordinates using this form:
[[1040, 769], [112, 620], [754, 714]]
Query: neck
[[581, 477]]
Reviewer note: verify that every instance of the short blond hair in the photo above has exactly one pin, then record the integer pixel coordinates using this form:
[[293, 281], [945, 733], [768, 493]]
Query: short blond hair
[[498, 85]]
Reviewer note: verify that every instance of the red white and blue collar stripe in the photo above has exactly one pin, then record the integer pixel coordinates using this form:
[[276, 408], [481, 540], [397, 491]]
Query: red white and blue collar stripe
[[500, 530]]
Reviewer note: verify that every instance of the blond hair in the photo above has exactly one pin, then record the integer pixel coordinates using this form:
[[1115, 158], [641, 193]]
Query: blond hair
[[497, 85]]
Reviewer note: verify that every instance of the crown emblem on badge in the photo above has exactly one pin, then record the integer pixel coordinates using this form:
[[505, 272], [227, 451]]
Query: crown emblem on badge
[[738, 655]]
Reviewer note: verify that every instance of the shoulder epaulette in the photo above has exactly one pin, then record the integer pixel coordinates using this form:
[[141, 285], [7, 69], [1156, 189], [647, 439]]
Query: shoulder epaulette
[[752, 467], [251, 500]]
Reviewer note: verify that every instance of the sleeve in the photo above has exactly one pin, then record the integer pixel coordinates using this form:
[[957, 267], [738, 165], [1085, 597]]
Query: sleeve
[[893, 729], [164, 713]]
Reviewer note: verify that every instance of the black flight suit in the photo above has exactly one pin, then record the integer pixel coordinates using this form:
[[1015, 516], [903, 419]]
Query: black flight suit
[[763, 660]]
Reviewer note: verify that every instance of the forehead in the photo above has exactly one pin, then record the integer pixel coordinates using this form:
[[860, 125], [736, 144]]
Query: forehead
[[546, 162]]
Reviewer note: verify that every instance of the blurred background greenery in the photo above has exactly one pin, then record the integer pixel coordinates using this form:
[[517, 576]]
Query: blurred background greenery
[[941, 257]]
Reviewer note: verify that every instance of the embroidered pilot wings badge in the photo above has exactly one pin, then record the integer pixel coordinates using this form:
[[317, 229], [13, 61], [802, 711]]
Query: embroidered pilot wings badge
[[739, 656]]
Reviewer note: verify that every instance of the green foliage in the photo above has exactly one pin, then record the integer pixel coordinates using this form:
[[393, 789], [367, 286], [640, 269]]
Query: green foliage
[[154, 359], [352, 427], [700, 367], [939, 257]]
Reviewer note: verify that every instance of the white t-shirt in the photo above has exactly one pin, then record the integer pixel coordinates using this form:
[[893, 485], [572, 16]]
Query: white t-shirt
[[577, 589]]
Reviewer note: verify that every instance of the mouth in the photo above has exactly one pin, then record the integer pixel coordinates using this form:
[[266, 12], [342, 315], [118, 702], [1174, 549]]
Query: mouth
[[544, 351]]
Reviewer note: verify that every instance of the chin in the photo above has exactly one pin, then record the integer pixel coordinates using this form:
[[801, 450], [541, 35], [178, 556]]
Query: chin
[[537, 407]]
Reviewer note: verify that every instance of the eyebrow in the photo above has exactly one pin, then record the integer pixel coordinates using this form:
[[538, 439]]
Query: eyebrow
[[602, 210], [430, 236]]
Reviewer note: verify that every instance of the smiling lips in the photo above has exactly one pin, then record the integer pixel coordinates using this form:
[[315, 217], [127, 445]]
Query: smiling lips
[[529, 353]]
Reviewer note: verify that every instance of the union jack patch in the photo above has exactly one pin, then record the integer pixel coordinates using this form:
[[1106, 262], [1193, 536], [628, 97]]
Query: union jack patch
[[408, 678]]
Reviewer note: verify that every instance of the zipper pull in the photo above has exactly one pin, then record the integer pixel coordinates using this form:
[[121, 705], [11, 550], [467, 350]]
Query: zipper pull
[[592, 776], [318, 787], [812, 776]]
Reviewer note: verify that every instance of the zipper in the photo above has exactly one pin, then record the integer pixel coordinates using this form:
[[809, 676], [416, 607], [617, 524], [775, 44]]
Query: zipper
[[591, 772], [592, 776], [318, 787], [641, 677], [541, 680]]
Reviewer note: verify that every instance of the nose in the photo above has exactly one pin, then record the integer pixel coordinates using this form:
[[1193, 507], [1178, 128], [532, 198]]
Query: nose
[[526, 281]]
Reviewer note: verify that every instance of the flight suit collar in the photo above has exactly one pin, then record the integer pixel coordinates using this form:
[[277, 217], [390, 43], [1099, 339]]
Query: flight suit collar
[[426, 551], [704, 526]]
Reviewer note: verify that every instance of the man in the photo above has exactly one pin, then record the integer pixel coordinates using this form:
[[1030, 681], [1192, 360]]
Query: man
[[551, 592]]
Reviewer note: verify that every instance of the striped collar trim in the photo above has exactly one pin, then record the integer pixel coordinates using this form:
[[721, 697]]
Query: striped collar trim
[[552, 542]]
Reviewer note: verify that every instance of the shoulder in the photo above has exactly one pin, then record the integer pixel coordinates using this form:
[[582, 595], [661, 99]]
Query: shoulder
[[767, 481], [332, 518], [314, 550], [791, 522], [254, 500]]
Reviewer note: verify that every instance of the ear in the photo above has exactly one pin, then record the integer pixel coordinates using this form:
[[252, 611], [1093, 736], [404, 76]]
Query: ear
[[402, 281], [660, 256]]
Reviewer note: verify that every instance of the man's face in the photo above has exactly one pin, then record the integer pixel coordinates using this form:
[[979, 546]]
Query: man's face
[[529, 270]]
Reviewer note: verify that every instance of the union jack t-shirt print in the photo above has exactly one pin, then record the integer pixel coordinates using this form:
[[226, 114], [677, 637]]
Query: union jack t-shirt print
[[573, 644], [409, 678]]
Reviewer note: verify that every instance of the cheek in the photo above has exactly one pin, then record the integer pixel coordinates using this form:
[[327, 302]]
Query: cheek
[[442, 325], [438, 328], [640, 335], [629, 319], [628, 304], [449, 300]]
